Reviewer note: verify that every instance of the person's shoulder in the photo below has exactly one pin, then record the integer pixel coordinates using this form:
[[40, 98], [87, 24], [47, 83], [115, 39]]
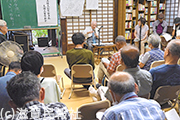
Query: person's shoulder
[[69, 51], [87, 51], [56, 105]]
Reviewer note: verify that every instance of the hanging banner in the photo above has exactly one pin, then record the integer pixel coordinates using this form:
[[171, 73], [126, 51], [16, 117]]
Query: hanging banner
[[46, 12], [71, 7], [91, 4]]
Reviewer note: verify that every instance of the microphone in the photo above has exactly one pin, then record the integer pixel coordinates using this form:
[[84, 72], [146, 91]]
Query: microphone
[[100, 28]]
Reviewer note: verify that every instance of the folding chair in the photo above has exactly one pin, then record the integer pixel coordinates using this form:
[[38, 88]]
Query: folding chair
[[82, 74], [88, 111], [120, 68], [157, 63], [50, 71], [164, 95], [178, 62]]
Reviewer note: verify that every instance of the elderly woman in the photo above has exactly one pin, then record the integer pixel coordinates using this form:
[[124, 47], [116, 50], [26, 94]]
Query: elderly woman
[[154, 54]]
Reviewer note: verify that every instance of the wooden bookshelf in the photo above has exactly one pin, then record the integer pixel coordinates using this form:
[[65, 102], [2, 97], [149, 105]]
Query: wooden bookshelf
[[130, 11]]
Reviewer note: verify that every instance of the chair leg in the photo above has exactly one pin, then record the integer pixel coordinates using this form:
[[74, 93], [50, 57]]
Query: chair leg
[[71, 90], [64, 89]]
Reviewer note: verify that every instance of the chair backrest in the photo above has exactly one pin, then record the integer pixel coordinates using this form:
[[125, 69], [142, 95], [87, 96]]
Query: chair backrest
[[88, 111], [165, 93], [178, 62], [157, 63], [82, 71], [49, 71], [120, 68]]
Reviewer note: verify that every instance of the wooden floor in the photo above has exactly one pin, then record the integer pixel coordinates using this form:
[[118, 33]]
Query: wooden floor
[[80, 96]]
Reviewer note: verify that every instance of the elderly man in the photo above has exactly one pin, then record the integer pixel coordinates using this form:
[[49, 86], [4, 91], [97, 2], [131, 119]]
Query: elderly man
[[3, 31], [130, 59], [167, 74], [14, 69], [27, 97], [91, 34], [129, 106], [160, 25], [154, 54], [109, 67]]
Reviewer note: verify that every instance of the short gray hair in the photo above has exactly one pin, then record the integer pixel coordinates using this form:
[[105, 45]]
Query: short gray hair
[[120, 38], [123, 85], [155, 40], [2, 22], [174, 47]]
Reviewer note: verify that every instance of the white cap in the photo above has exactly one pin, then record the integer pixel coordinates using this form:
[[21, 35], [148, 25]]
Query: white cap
[[2, 22]]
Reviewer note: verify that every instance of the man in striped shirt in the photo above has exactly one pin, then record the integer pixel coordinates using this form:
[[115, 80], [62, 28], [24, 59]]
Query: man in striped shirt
[[127, 105]]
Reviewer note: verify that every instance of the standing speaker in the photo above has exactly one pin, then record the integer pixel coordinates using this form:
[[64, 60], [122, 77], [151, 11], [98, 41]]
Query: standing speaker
[[23, 41], [43, 41]]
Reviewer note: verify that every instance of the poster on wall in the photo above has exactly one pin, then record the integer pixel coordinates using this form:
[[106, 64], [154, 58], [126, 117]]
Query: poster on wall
[[71, 7], [91, 4], [46, 12]]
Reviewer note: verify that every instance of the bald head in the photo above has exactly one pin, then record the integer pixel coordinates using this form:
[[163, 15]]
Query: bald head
[[121, 83], [130, 56], [174, 47]]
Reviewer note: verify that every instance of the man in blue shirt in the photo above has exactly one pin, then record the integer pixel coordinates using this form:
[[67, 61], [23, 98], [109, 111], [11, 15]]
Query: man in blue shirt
[[129, 106], [167, 74], [14, 69]]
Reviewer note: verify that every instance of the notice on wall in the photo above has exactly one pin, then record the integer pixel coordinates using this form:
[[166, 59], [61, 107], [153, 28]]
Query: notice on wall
[[46, 12], [71, 7], [91, 4]]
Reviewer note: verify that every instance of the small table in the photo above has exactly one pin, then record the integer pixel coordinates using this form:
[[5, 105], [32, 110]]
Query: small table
[[103, 50]]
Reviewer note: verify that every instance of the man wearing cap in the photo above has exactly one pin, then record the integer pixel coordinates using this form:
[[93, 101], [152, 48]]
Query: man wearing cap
[[176, 27], [160, 25]]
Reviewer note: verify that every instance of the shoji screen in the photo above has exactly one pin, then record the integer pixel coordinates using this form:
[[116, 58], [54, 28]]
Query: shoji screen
[[103, 16]]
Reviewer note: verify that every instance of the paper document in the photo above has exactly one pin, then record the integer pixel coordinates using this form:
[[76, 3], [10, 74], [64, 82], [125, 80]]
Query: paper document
[[167, 36], [46, 12], [172, 115], [72, 7], [91, 4]]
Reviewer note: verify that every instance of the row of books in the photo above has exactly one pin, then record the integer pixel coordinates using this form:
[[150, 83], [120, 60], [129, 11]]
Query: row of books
[[154, 3], [140, 15], [129, 2], [127, 34], [129, 9], [153, 10], [128, 16], [153, 17], [161, 6], [151, 24], [141, 7], [128, 24]]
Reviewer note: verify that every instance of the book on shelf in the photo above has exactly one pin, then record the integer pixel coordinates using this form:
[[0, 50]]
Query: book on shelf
[[128, 16], [151, 24], [134, 23], [153, 10], [141, 7], [129, 2], [153, 17], [146, 17], [128, 24], [146, 11], [129, 9], [140, 15], [146, 5], [161, 6], [127, 34], [134, 13], [154, 3]]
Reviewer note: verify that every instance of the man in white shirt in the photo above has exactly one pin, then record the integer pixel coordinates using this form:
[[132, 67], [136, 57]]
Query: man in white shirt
[[91, 34]]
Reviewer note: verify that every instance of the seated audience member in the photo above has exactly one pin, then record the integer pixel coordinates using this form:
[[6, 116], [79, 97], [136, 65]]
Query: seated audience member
[[176, 27], [154, 54], [78, 55], [160, 25], [27, 97], [109, 67], [129, 106], [14, 69], [130, 59], [167, 74], [33, 61]]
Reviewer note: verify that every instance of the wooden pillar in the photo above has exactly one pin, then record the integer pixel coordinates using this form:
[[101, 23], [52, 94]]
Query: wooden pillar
[[115, 12], [64, 35]]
